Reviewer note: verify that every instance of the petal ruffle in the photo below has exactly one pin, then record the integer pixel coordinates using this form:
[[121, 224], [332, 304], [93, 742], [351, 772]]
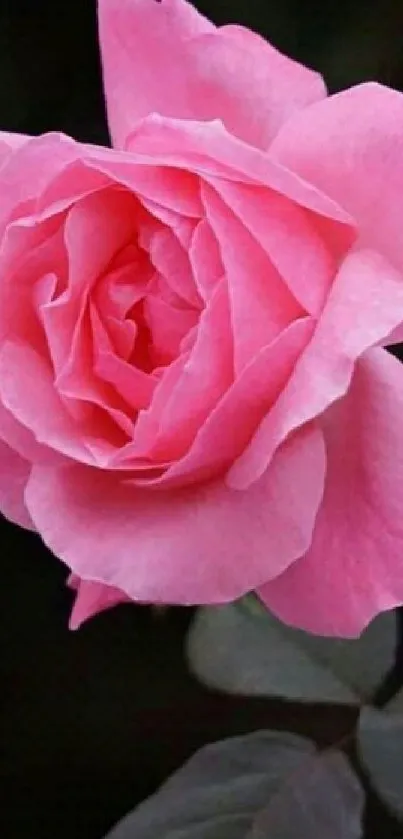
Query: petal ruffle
[[91, 599]]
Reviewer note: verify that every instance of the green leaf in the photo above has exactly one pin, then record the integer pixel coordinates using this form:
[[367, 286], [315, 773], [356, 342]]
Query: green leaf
[[235, 650], [380, 746], [265, 785]]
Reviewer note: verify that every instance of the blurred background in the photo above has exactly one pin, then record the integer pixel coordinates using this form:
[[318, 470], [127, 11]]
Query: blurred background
[[91, 722]]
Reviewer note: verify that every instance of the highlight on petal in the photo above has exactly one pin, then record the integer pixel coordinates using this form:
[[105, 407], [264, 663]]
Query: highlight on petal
[[354, 566], [164, 57], [10, 143], [200, 544]]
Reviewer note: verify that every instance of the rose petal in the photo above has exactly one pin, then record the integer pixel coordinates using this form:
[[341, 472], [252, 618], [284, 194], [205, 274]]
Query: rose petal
[[203, 544], [30, 169], [261, 304], [366, 284], [175, 190], [350, 147], [191, 386], [249, 85], [230, 425], [91, 599], [205, 259], [354, 569], [27, 391], [121, 287], [9, 143], [133, 385], [166, 58], [209, 150], [142, 48], [106, 220], [14, 474], [169, 326], [148, 420], [22, 441], [26, 256], [305, 248], [172, 262], [207, 374], [73, 182], [82, 389]]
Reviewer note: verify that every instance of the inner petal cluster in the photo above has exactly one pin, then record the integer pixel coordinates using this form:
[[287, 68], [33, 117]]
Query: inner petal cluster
[[116, 308], [153, 307]]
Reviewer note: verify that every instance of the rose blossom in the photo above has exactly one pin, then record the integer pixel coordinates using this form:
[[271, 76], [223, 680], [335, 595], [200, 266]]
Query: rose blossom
[[195, 398]]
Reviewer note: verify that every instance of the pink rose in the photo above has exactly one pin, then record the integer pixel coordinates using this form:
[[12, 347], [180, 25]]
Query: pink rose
[[195, 401]]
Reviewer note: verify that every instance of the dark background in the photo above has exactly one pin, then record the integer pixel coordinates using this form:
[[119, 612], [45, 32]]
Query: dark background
[[91, 722]]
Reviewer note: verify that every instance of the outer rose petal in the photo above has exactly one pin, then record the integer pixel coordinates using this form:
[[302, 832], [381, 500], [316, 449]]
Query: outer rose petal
[[351, 147], [27, 391], [91, 599], [354, 567], [14, 473], [164, 57], [202, 544], [28, 171], [260, 303]]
